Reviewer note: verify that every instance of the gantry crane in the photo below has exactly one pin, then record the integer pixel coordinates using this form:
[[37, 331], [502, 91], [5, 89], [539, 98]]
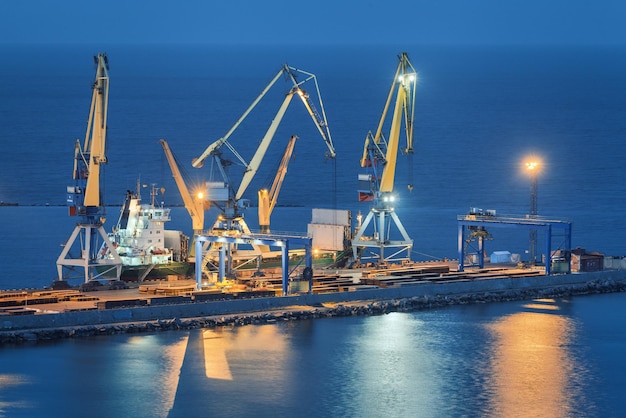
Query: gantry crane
[[85, 198], [379, 158], [268, 198], [222, 194]]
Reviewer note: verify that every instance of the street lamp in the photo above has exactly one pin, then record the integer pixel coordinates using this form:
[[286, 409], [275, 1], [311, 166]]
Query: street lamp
[[533, 166]]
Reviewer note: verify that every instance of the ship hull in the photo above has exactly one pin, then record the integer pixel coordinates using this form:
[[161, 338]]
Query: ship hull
[[159, 271]]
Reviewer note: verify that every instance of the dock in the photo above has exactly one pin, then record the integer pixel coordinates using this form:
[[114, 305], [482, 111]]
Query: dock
[[421, 284]]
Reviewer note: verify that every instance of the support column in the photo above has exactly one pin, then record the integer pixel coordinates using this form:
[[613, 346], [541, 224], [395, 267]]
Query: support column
[[285, 266], [199, 263], [221, 266], [461, 246], [481, 252], [308, 261], [548, 249]]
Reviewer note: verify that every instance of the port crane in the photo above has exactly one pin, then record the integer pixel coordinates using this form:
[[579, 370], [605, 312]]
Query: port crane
[[222, 194], [379, 158], [85, 198]]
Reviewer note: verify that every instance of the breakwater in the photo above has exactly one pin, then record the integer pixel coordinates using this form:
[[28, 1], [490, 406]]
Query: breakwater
[[306, 306]]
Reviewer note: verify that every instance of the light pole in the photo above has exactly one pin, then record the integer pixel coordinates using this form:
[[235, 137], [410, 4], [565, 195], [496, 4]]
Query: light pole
[[533, 167]]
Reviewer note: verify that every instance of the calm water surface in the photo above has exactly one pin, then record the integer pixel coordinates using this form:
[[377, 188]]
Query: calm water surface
[[541, 358]]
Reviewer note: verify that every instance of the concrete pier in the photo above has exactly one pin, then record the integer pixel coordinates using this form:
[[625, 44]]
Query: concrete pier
[[367, 300]]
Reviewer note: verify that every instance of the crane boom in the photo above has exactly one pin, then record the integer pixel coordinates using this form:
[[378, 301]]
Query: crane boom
[[195, 205], [256, 160], [253, 166], [197, 162], [95, 137], [387, 179], [385, 151], [268, 198]]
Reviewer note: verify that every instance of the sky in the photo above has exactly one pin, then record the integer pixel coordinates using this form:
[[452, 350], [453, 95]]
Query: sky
[[349, 22]]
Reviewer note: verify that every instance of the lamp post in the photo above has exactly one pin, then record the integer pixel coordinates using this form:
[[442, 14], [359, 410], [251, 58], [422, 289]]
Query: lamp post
[[532, 167]]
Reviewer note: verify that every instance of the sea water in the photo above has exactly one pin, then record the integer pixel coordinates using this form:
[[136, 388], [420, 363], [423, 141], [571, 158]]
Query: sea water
[[549, 357], [479, 113]]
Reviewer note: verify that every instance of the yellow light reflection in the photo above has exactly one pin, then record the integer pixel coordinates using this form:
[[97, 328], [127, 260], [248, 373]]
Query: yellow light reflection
[[531, 365], [537, 306], [262, 342], [172, 356], [215, 361], [6, 381]]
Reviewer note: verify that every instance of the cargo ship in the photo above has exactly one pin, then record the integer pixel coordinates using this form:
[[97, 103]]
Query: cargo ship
[[146, 248]]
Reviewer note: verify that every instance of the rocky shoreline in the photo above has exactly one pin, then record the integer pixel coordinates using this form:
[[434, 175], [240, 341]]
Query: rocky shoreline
[[354, 308]]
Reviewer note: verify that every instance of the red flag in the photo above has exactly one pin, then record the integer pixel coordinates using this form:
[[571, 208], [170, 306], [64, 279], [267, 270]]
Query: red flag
[[366, 196]]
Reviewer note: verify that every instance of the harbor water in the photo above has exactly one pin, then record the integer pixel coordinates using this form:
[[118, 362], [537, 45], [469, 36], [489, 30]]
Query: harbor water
[[556, 358], [480, 112]]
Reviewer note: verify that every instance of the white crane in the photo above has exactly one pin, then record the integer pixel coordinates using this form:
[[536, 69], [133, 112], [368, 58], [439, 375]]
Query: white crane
[[227, 196]]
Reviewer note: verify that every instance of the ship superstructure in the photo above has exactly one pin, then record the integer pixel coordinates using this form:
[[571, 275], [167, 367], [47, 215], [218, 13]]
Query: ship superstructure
[[143, 244]]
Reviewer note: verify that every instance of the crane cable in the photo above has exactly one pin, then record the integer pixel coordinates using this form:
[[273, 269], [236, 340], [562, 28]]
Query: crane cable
[[410, 161]]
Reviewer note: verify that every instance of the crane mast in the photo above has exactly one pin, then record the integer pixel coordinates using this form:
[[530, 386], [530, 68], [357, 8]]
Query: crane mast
[[85, 198], [380, 159]]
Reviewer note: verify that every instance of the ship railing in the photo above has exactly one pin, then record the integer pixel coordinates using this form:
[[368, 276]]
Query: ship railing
[[272, 233], [278, 233], [511, 218]]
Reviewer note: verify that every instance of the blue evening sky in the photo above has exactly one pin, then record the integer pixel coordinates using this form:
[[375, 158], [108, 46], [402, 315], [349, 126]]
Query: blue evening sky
[[556, 22]]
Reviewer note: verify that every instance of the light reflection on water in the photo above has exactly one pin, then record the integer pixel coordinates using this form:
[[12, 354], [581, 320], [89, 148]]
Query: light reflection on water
[[538, 358], [531, 370], [430, 364], [395, 372], [11, 382]]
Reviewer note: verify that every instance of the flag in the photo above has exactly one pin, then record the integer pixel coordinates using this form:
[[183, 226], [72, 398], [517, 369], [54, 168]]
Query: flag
[[365, 196]]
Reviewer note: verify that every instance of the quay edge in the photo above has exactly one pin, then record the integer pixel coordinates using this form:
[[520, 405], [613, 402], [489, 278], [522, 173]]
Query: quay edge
[[27, 327]]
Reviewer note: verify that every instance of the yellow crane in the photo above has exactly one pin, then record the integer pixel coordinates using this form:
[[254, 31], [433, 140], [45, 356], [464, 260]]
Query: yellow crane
[[85, 197], [380, 158], [268, 198], [195, 203]]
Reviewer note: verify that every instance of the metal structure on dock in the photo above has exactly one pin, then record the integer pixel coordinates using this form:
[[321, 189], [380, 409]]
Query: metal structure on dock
[[377, 185], [478, 220], [85, 198], [222, 190], [282, 241]]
